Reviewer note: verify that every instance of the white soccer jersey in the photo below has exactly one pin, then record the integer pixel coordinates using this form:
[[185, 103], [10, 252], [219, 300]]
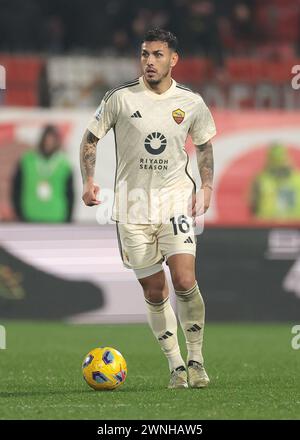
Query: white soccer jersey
[[153, 179]]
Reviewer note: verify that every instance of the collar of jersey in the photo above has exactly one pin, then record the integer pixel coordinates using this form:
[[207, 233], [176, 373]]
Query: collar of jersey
[[156, 95]]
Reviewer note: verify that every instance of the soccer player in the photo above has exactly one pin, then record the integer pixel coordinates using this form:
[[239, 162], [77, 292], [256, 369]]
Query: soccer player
[[155, 202]]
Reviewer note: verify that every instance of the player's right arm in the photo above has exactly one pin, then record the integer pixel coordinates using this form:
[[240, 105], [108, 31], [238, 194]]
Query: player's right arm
[[88, 151], [103, 120]]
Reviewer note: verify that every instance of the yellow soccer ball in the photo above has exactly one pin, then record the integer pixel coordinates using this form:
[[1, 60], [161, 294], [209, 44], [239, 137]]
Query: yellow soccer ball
[[104, 368]]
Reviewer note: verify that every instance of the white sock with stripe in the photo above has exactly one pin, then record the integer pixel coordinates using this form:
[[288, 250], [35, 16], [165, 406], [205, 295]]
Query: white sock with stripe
[[191, 314], [163, 322]]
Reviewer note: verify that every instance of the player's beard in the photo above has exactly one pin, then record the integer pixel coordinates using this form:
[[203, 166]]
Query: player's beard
[[155, 82]]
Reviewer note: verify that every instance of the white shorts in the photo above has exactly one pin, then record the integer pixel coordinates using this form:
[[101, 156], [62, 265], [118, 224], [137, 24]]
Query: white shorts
[[144, 247]]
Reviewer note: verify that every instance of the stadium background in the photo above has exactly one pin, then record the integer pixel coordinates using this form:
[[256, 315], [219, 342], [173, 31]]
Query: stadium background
[[58, 64]]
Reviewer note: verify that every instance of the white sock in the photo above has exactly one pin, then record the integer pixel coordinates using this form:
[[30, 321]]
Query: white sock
[[163, 322], [191, 313]]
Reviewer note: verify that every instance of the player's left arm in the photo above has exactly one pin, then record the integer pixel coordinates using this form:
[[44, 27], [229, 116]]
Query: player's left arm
[[205, 162], [202, 130]]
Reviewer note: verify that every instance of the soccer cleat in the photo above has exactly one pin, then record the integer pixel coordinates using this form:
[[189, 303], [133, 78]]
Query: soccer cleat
[[198, 377], [178, 378]]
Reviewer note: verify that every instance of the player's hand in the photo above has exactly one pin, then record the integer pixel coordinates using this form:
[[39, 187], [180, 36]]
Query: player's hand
[[201, 201], [89, 195], [207, 193]]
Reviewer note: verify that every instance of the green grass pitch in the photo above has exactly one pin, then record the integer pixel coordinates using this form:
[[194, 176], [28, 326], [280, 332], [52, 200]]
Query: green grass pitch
[[253, 369]]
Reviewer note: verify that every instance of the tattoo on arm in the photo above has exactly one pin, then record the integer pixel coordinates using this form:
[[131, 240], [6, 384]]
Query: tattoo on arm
[[205, 163], [88, 149]]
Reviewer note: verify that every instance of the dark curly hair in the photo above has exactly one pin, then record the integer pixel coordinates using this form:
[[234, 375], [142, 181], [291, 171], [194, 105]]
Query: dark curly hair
[[49, 129], [157, 34]]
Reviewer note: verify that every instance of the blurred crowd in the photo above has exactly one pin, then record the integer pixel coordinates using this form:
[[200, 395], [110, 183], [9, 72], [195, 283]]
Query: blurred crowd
[[115, 27]]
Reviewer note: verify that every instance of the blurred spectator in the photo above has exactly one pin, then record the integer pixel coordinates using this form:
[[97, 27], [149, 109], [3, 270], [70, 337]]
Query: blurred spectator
[[54, 35], [202, 35], [161, 19], [140, 24], [275, 193], [204, 27], [238, 30], [42, 187], [121, 42]]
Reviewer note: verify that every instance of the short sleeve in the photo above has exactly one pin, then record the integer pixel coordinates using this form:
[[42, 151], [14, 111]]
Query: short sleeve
[[104, 118], [203, 127]]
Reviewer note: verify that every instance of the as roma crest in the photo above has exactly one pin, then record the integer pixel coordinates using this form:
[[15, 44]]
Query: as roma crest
[[178, 115]]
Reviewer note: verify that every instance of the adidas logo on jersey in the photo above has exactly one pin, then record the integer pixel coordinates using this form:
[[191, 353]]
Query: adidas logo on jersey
[[136, 115], [188, 240]]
